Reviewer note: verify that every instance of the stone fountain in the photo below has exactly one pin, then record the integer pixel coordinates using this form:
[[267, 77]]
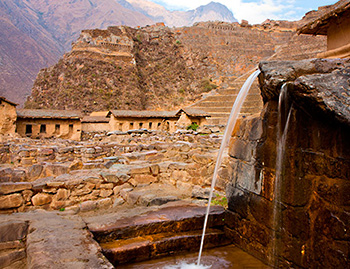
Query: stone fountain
[[314, 216]]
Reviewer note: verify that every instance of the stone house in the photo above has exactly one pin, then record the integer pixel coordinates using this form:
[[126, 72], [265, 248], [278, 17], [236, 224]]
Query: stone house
[[334, 22], [125, 120], [96, 122], [8, 116], [42, 123]]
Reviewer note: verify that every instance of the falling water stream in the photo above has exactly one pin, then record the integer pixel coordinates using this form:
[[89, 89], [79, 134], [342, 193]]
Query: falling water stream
[[227, 134], [284, 114]]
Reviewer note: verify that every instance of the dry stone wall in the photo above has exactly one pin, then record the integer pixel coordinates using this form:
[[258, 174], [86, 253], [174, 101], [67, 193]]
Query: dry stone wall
[[56, 174]]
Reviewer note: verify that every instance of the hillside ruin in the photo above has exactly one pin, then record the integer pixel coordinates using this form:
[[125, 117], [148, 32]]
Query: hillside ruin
[[157, 67]]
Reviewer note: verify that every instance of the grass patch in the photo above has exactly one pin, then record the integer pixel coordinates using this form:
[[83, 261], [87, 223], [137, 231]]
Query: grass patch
[[220, 200]]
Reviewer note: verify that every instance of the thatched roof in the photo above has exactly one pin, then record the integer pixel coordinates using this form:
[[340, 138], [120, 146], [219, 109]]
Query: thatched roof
[[95, 119], [320, 23], [193, 112], [7, 101], [48, 114]]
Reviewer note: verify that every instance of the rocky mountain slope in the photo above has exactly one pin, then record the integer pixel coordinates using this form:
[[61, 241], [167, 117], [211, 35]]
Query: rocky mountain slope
[[25, 47], [35, 33], [157, 67]]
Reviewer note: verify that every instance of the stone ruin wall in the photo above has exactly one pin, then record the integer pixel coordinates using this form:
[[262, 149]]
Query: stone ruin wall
[[230, 49], [314, 220], [95, 175]]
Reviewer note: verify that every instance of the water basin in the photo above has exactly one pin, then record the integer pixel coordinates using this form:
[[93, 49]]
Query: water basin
[[222, 257]]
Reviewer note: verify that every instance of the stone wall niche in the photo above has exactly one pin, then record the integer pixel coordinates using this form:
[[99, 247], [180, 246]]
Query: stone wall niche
[[311, 218]]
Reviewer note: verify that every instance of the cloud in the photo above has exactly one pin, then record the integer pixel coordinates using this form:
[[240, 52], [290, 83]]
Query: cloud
[[254, 11]]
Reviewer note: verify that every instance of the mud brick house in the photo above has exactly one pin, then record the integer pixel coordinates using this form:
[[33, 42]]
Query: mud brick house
[[8, 116], [188, 116], [96, 122], [124, 120], [334, 22], [41, 123]]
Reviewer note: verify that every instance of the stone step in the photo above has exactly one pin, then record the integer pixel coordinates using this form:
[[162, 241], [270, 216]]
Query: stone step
[[220, 97], [219, 115], [205, 104], [172, 218], [209, 105], [217, 121], [221, 103], [216, 109], [157, 245], [229, 91]]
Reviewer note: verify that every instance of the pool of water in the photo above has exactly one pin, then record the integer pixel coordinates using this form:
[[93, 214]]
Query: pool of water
[[218, 258]]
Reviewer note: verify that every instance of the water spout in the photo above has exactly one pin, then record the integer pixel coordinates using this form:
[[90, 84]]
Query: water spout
[[227, 134]]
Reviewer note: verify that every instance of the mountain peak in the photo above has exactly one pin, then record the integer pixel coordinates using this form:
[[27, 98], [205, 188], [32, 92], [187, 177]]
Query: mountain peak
[[213, 11]]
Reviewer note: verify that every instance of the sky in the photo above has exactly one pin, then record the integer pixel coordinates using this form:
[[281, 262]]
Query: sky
[[254, 11]]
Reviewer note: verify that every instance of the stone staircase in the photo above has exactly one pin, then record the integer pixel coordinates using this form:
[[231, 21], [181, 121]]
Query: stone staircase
[[170, 230], [220, 104]]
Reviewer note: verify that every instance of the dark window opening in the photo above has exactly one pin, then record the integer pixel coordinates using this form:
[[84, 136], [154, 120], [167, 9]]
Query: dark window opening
[[29, 129], [131, 125], [140, 125], [150, 125], [57, 128], [71, 128], [43, 128], [120, 126]]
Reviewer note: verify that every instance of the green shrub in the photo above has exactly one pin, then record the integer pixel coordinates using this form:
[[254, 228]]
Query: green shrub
[[194, 126], [207, 85]]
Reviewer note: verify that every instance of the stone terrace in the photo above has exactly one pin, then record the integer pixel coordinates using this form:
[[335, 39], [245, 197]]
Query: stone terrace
[[219, 104]]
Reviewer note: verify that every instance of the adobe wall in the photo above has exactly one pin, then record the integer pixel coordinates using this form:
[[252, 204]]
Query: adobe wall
[[8, 117], [311, 217], [95, 127], [126, 124], [64, 131]]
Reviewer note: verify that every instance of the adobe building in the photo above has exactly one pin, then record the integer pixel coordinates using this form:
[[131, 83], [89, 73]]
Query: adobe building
[[42, 123], [334, 22], [96, 122], [8, 116], [125, 120], [188, 116]]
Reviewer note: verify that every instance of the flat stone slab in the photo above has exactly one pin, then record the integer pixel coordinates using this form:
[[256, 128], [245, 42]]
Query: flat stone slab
[[58, 240], [166, 219]]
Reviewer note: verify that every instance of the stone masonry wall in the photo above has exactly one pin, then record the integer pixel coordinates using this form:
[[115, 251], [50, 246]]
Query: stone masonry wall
[[311, 219], [58, 174]]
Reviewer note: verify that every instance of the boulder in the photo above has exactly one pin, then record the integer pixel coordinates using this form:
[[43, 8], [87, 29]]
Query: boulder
[[11, 201], [41, 199], [318, 85]]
